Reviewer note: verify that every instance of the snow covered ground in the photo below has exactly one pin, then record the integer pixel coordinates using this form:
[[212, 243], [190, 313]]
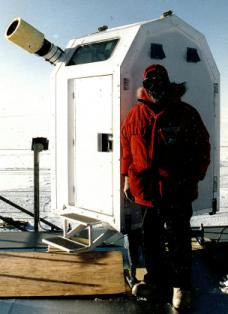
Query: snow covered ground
[[16, 183]]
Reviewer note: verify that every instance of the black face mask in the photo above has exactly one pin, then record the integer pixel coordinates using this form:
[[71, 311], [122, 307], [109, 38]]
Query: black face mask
[[156, 86]]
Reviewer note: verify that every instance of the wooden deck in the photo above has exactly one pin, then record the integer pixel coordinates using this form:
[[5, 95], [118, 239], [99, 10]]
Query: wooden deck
[[39, 282], [36, 274]]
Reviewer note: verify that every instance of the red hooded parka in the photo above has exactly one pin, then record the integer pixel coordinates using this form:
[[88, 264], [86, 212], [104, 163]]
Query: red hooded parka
[[165, 152]]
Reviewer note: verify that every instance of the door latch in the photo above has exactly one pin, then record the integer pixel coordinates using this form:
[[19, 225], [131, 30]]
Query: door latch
[[105, 142]]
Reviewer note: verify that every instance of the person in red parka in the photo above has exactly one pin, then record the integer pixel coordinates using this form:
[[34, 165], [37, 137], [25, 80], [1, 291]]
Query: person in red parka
[[165, 153]]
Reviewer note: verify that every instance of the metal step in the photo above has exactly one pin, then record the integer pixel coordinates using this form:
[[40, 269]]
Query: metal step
[[82, 241], [65, 244], [81, 219]]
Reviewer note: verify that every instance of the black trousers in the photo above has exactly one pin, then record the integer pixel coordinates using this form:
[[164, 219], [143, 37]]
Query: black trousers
[[166, 243]]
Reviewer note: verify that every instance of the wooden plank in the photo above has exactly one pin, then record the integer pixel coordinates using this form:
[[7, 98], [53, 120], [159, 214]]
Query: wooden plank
[[33, 274], [196, 246]]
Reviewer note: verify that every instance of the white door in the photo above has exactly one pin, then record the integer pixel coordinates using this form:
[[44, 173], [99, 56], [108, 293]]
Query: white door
[[93, 144]]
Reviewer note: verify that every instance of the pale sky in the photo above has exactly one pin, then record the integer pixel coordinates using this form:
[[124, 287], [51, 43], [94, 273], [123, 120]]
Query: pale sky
[[24, 88]]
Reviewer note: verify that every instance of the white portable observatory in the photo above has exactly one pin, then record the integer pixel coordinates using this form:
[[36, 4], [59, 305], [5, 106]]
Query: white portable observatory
[[93, 87]]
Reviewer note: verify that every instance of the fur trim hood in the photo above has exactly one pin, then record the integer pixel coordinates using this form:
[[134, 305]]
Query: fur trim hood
[[175, 92]]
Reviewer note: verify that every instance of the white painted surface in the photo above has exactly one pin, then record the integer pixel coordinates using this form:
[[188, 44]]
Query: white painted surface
[[127, 63], [93, 169]]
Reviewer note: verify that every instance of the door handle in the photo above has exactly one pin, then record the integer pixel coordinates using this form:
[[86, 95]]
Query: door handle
[[104, 142]]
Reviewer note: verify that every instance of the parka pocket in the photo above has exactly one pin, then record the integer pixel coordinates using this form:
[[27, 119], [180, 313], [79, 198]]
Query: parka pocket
[[144, 185], [168, 135]]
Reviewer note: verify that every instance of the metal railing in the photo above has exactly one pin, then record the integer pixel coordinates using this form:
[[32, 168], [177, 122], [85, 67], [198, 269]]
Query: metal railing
[[6, 219]]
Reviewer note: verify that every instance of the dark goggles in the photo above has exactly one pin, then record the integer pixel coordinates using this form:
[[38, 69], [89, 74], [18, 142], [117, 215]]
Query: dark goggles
[[148, 83], [154, 79]]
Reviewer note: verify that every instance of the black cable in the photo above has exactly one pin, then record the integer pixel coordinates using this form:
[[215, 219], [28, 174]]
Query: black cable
[[221, 233]]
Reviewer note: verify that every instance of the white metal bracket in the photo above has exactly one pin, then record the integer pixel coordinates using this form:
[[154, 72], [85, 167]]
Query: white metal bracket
[[69, 243]]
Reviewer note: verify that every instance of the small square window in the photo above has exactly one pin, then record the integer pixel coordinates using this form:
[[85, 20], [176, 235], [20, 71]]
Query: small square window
[[156, 51], [192, 55]]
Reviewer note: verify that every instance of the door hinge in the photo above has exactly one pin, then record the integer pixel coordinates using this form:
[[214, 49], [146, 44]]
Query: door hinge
[[214, 206], [216, 88], [215, 184]]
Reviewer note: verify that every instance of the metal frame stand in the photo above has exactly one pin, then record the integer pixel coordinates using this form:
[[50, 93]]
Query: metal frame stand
[[38, 145]]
